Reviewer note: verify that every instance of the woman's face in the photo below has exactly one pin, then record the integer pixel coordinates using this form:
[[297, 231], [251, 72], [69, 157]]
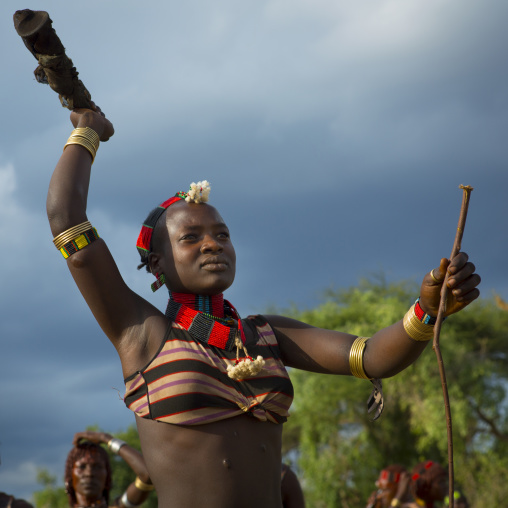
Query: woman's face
[[89, 476], [196, 254], [385, 495]]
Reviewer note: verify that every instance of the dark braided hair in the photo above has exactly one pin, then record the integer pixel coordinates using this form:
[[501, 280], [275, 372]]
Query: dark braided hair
[[86, 449]]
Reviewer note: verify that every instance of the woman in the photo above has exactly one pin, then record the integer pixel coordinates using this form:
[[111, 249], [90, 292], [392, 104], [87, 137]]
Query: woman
[[211, 434], [88, 472]]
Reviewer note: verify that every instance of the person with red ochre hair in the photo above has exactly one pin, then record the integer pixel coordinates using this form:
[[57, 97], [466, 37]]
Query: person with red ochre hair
[[429, 484], [88, 473], [393, 488]]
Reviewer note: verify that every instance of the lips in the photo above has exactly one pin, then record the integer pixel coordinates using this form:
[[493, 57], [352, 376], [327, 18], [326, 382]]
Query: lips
[[215, 264]]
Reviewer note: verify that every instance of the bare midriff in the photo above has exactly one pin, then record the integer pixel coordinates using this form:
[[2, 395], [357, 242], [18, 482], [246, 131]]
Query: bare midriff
[[233, 463]]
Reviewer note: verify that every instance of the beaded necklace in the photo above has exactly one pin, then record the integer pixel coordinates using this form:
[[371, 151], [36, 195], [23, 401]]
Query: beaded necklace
[[194, 313], [190, 312]]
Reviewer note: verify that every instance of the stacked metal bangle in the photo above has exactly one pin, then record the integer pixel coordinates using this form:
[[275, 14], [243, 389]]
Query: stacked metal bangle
[[415, 328], [85, 137], [356, 357], [71, 233], [75, 238]]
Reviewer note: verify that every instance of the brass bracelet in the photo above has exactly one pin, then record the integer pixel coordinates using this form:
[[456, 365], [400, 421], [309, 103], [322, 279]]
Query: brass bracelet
[[87, 138], [67, 235], [141, 485], [356, 357], [415, 328], [395, 502]]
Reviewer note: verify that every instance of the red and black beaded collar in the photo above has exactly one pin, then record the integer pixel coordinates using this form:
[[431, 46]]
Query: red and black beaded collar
[[209, 319]]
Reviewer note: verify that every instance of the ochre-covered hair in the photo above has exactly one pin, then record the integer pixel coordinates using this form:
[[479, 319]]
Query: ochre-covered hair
[[423, 476], [82, 450], [390, 476]]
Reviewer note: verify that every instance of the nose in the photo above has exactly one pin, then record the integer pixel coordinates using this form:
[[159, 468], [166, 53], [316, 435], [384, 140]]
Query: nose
[[87, 470], [211, 244]]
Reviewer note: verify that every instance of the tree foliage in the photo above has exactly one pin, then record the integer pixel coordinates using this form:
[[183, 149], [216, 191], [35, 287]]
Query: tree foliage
[[338, 452], [52, 496]]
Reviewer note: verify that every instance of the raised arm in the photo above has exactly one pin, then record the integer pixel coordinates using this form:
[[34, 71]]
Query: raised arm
[[391, 349], [118, 310], [139, 490]]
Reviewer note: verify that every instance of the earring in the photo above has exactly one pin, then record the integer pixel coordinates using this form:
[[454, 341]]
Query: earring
[[161, 280]]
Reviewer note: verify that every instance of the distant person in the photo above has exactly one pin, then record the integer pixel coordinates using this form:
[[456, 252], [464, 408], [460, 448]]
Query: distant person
[[392, 488], [292, 493], [7, 501], [88, 473], [429, 484]]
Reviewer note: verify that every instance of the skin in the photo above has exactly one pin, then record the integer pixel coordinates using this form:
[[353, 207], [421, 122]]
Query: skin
[[89, 474], [196, 256], [88, 480], [292, 494]]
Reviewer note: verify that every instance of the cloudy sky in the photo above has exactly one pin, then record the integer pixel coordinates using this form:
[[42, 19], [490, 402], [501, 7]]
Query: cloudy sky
[[335, 135]]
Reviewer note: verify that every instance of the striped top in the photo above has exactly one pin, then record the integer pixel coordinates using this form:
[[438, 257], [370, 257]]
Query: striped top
[[186, 383]]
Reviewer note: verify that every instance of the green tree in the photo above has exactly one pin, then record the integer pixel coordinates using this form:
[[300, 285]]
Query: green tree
[[338, 452], [52, 496]]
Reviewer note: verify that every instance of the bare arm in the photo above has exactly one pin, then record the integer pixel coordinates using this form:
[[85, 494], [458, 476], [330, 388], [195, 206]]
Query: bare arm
[[390, 350], [292, 493], [118, 310], [131, 456]]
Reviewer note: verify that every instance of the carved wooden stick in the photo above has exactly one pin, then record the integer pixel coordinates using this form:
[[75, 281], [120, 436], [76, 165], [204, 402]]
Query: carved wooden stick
[[55, 67], [437, 329]]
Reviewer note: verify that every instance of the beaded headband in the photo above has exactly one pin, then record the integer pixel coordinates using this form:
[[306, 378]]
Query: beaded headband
[[198, 193], [388, 477], [422, 469]]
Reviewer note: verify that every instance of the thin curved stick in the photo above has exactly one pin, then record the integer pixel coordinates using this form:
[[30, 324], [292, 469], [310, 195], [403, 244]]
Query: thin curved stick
[[437, 329]]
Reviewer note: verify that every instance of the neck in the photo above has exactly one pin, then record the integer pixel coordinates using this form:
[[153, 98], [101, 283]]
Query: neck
[[209, 304], [86, 503]]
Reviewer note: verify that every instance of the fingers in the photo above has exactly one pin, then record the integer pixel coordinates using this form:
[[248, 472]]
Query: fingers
[[95, 119], [436, 275], [462, 279]]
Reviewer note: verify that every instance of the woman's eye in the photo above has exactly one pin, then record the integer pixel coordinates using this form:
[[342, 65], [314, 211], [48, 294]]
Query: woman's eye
[[223, 235]]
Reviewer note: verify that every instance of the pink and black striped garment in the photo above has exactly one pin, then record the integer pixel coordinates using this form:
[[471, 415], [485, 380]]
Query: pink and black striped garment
[[186, 383]]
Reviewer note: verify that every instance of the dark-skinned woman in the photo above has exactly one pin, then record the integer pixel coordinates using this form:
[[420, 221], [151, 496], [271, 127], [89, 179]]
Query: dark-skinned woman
[[210, 391], [88, 473]]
